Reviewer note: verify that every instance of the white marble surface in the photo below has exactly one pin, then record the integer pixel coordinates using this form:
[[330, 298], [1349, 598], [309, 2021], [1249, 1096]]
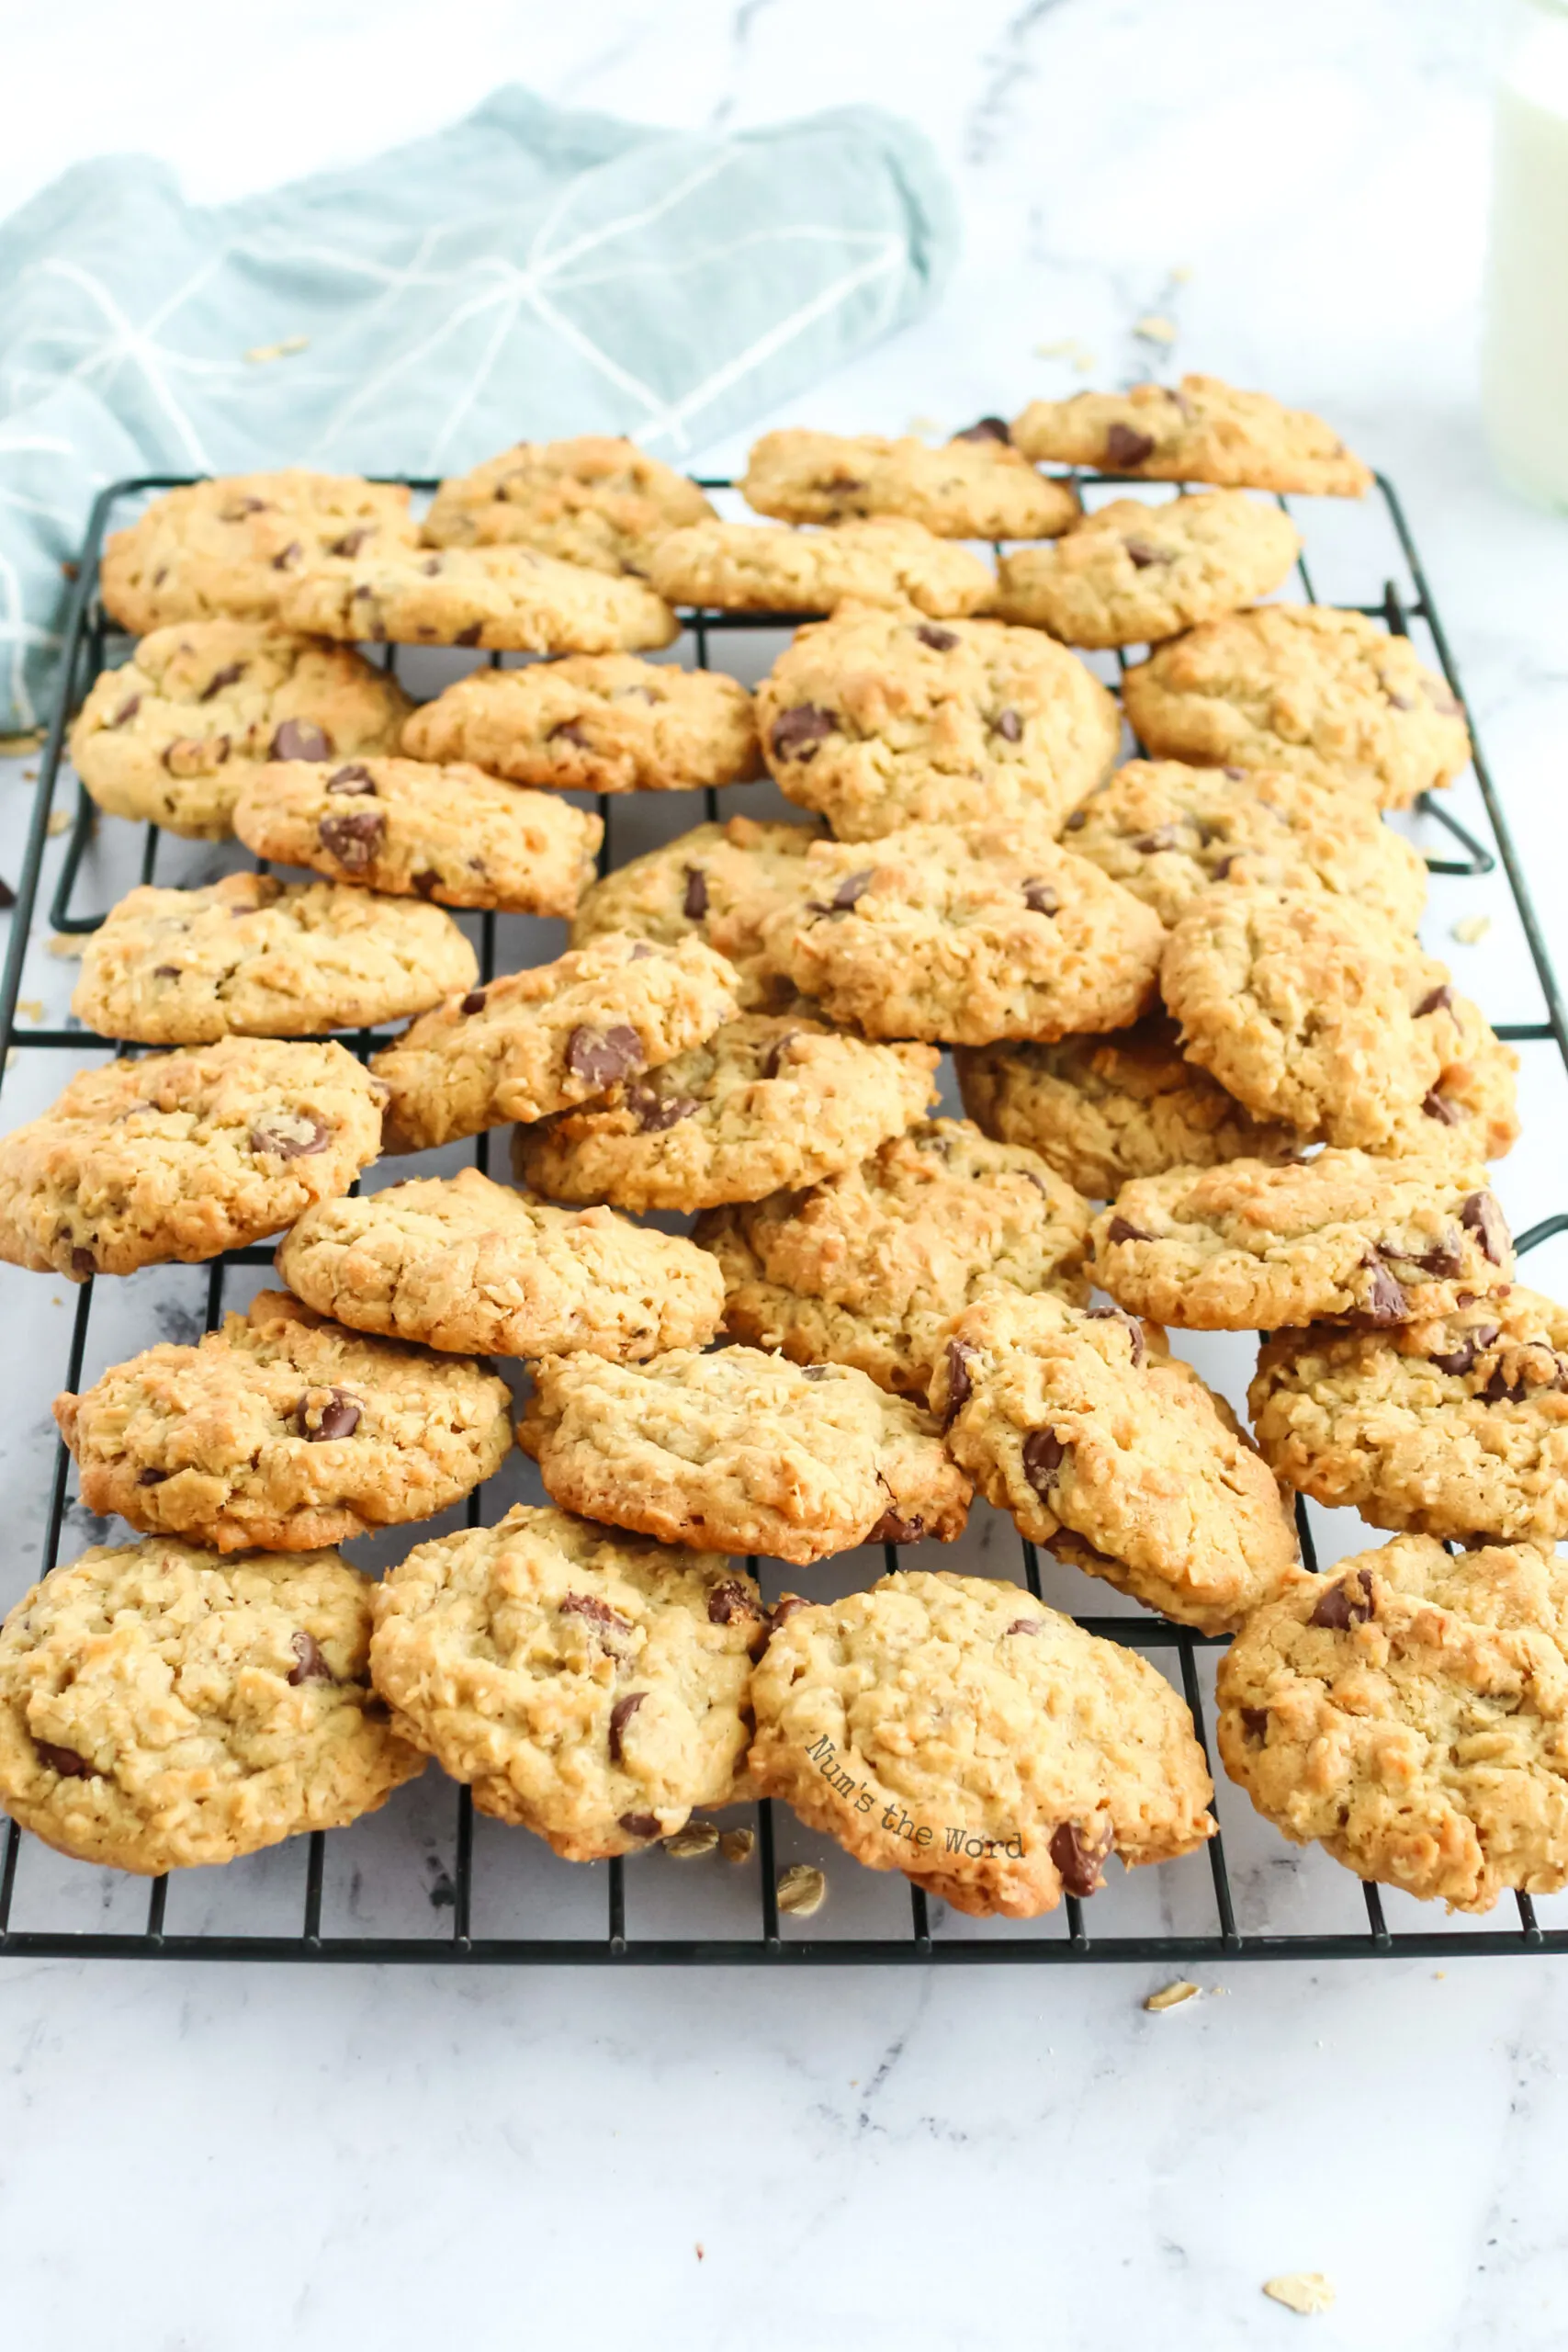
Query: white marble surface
[[247, 2156]]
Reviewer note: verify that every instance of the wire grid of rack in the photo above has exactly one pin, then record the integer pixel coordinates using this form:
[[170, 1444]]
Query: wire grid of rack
[[775, 1941]]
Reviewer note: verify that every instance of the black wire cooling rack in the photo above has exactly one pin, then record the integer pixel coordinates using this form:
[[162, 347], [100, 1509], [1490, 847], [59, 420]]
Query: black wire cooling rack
[[613, 1913]]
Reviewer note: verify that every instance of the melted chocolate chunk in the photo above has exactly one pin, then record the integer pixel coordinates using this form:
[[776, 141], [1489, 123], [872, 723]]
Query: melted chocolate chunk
[[729, 1603], [83, 1263], [1120, 1315], [1480, 1215], [773, 1060], [152, 1477], [790, 1605], [569, 731], [941, 640], [814, 1371], [289, 1135], [959, 1387], [621, 1715], [427, 882], [1386, 1303], [595, 1611], [474, 1001], [1040, 898], [65, 1762], [289, 556], [893, 1528], [1009, 725], [1165, 837], [1438, 1107], [1024, 1625], [599, 1057], [1044, 1454], [985, 428], [231, 675], [1124, 448], [1435, 1000], [355, 778], [1143, 554], [339, 1416], [354, 837], [1346, 1603], [165, 971], [351, 541], [1077, 1859], [1461, 1358], [127, 711], [471, 635], [309, 1665], [849, 890], [694, 904], [1254, 1725], [299, 739], [655, 1112], [639, 1825], [1121, 1229], [798, 732]]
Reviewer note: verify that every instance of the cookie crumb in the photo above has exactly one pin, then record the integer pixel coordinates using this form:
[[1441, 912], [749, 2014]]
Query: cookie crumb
[[261, 353], [16, 747], [696, 1838], [67, 945], [1181, 274], [1068, 348], [31, 1008], [1305, 2292], [1470, 929], [736, 1845], [1154, 329], [1170, 1997], [59, 822], [801, 1890]]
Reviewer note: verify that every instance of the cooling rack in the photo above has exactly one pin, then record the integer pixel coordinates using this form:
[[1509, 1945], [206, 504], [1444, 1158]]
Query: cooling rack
[[429, 1881]]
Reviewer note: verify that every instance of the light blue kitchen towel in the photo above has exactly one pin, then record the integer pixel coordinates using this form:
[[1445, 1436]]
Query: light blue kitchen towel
[[527, 273]]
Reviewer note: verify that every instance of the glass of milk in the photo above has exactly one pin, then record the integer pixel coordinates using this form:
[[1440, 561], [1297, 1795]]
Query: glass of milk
[[1524, 366]]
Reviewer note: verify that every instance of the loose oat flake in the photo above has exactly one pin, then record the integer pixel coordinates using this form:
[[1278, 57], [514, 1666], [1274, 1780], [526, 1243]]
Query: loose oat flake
[[738, 1845], [1305, 2292], [801, 1891], [1470, 929], [697, 1838], [67, 945], [59, 822], [1170, 1997], [261, 353], [1154, 329]]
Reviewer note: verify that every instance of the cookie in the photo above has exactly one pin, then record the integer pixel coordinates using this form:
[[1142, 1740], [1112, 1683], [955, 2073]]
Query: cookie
[[1102, 1111], [173, 736], [456, 1261], [868, 1267], [1314, 1011], [250, 957], [1111, 1451], [1322, 693], [1202, 430], [759, 567], [1339, 1238], [283, 1433], [1132, 574], [236, 545], [594, 722], [505, 599], [1454, 1425], [737, 1451], [532, 1041], [184, 1154], [976, 486], [767, 1100], [586, 1686], [1166, 832], [878, 720], [450, 833], [967, 933], [719, 883], [594, 500], [1406, 1712], [956, 1729], [162, 1708]]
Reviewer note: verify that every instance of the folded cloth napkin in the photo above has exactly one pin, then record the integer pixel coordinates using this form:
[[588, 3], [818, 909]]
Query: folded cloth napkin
[[527, 273]]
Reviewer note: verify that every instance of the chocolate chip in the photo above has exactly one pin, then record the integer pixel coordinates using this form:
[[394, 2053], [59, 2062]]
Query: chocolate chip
[[621, 1715], [639, 1825], [1077, 1860], [1120, 1228], [595, 1611], [850, 890], [959, 1387], [431, 566], [1221, 867], [83, 1262], [798, 732], [783, 1609], [1444, 1257], [694, 904], [599, 1057], [1347, 1602], [655, 1112], [1044, 1454], [893, 1528], [1120, 1315], [127, 711], [1400, 702], [1438, 1107], [730, 1603], [152, 1477], [309, 1665], [569, 731], [1471, 1343], [290, 554], [238, 508], [289, 1135], [65, 1762], [1481, 1215], [353, 780], [1025, 1625], [1165, 837], [839, 484], [641, 952], [1076, 821], [1143, 554], [351, 541], [1255, 1726], [1040, 898], [987, 428], [474, 1001], [1124, 448], [1436, 1001], [1009, 725], [228, 676], [1501, 1390], [339, 1416], [471, 635], [165, 971], [427, 882], [773, 1060], [1386, 1303], [354, 837], [941, 640], [814, 1371]]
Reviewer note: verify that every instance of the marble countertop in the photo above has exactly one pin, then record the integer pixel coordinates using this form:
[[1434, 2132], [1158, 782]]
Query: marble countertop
[[222, 2158]]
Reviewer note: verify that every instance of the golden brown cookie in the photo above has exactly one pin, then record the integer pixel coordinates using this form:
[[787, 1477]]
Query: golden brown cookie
[[595, 499], [1203, 430], [976, 486], [762, 567], [1132, 574], [594, 722], [718, 883]]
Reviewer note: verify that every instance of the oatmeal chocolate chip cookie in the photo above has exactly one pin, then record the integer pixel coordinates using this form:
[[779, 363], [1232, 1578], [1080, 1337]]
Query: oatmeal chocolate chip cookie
[[762, 567], [184, 1154], [586, 1686], [966, 934], [766, 1101], [594, 500], [956, 1729], [866, 1268], [1202, 430], [505, 599], [719, 883], [459, 1262], [741, 1453], [283, 1433], [594, 722], [172, 737], [1455, 1425], [235, 546], [533, 1042], [974, 487], [450, 833], [1115, 1454], [1166, 832], [1323, 694], [879, 719], [1406, 1712], [1472, 1112], [1132, 574], [1339, 1238], [1312, 1010], [162, 1708], [1103, 1110], [251, 957]]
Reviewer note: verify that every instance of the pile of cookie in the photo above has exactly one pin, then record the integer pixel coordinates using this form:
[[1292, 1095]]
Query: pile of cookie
[[1187, 988]]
